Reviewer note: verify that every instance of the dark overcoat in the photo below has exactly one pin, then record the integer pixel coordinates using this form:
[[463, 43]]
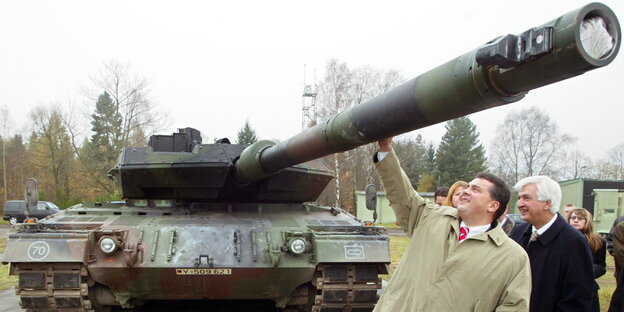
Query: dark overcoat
[[561, 267], [600, 268], [617, 299]]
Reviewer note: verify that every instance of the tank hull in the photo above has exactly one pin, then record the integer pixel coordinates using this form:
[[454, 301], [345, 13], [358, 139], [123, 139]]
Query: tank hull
[[222, 252]]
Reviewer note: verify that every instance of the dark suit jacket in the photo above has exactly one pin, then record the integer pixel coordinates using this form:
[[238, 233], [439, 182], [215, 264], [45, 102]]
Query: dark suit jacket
[[610, 235], [600, 268], [617, 299], [561, 267], [599, 261]]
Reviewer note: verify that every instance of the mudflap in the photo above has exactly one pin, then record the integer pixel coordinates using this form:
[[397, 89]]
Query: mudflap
[[52, 286], [347, 287]]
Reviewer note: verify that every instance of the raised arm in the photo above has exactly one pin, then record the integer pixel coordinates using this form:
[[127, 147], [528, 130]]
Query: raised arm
[[408, 206]]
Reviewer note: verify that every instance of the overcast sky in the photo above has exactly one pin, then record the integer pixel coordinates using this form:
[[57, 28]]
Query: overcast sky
[[213, 64]]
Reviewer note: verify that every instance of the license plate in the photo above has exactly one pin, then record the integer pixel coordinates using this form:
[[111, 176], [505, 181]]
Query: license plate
[[203, 271]]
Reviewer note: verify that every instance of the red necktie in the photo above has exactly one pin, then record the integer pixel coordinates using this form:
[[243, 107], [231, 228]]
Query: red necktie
[[463, 232]]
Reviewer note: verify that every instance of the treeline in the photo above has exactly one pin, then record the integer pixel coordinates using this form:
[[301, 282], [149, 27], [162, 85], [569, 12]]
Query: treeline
[[528, 142], [70, 152]]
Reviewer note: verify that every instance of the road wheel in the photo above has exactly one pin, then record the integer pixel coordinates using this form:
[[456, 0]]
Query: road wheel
[[13, 220]]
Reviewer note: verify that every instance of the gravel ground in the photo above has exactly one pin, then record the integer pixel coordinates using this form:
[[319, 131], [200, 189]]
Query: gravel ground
[[4, 230]]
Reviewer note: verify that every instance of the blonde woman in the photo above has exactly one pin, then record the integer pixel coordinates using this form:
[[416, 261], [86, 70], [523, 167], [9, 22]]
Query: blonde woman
[[581, 219], [452, 199]]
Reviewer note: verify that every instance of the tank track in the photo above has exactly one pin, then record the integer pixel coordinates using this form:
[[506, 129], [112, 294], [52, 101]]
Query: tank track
[[347, 287], [63, 287], [53, 287]]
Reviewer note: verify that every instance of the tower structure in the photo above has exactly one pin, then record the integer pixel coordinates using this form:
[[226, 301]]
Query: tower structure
[[308, 103]]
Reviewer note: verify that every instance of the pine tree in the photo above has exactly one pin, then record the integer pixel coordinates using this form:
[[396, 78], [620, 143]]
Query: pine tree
[[430, 161], [413, 156], [460, 156], [100, 153], [106, 125], [246, 135]]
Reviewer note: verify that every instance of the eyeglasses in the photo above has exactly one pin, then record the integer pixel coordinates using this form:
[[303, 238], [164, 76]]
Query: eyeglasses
[[577, 218]]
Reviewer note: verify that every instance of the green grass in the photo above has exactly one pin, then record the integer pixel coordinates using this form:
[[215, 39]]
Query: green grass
[[606, 282], [397, 248], [607, 285], [6, 281], [2, 221], [391, 225]]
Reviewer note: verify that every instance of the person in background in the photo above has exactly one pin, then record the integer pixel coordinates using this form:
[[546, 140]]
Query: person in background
[[581, 219], [566, 211], [440, 194], [610, 234], [452, 199], [506, 223], [617, 299], [561, 261]]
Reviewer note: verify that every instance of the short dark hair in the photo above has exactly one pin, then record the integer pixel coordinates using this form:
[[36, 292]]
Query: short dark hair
[[499, 192], [441, 191]]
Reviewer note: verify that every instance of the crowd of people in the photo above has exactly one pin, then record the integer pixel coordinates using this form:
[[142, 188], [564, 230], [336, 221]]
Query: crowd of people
[[465, 254]]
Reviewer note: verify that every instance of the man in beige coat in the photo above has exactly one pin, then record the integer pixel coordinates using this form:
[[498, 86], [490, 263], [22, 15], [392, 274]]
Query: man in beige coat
[[486, 271]]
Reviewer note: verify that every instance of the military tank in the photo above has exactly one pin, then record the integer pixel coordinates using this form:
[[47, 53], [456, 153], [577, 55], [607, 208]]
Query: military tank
[[226, 222]]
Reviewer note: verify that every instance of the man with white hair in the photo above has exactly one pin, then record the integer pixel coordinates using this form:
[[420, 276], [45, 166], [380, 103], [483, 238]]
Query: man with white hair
[[561, 261]]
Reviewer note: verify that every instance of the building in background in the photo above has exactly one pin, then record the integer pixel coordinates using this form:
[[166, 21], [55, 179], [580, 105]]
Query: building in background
[[384, 211], [603, 198]]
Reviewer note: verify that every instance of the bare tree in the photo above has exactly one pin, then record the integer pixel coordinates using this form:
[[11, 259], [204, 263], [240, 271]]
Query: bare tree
[[333, 97], [51, 150], [603, 170], [341, 89], [615, 159], [368, 83], [18, 166], [131, 120], [577, 165], [334, 90], [94, 170], [4, 124], [130, 94], [528, 143]]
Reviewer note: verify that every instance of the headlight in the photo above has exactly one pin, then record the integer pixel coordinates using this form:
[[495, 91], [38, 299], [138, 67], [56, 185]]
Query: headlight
[[108, 245], [297, 246]]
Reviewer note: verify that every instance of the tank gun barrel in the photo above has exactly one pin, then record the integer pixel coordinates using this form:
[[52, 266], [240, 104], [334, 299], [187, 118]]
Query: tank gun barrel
[[500, 72]]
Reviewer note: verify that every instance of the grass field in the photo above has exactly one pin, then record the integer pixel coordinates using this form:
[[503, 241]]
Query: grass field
[[392, 225], [6, 281], [607, 285]]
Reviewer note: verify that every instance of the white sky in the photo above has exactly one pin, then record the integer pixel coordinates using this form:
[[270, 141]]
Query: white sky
[[213, 64]]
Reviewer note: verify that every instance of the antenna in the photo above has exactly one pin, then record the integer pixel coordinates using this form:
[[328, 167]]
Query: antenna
[[308, 102]]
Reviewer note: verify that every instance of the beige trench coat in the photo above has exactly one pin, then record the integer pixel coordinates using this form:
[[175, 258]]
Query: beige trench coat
[[488, 272]]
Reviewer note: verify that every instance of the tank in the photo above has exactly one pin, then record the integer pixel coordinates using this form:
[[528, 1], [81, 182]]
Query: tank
[[228, 223]]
